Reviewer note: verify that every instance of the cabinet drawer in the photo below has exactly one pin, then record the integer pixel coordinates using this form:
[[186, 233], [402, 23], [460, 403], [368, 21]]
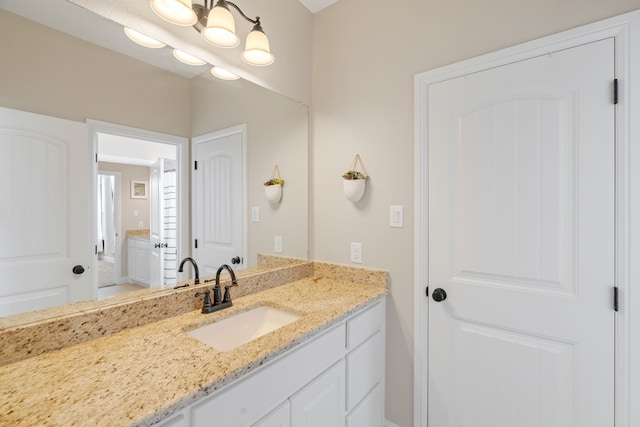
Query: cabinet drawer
[[365, 324], [252, 396], [369, 412], [279, 417], [364, 369]]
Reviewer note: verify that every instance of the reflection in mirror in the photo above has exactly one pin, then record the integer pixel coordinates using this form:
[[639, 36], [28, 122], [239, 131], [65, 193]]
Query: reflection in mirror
[[60, 76]]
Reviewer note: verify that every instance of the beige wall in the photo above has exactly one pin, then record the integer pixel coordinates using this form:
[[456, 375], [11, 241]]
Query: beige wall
[[365, 56], [128, 221], [49, 72], [277, 133]]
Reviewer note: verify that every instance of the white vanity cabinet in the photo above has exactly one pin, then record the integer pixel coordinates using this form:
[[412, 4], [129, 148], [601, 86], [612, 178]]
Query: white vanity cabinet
[[336, 379], [138, 260]]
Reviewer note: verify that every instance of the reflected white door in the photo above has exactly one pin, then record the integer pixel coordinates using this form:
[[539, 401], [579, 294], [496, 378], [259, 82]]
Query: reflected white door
[[521, 239], [218, 200], [156, 224], [45, 189]]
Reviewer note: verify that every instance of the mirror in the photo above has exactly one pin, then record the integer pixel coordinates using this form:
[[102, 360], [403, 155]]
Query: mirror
[[77, 80]]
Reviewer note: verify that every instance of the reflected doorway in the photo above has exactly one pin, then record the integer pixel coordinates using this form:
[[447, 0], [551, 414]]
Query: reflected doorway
[[124, 214]]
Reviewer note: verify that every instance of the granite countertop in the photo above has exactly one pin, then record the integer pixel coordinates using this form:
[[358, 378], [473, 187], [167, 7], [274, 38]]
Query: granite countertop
[[144, 374], [142, 233]]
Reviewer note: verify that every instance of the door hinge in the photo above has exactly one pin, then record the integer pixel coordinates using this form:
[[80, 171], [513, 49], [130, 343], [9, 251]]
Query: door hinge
[[196, 243], [96, 157], [615, 298], [195, 165], [426, 291], [95, 248], [615, 91]]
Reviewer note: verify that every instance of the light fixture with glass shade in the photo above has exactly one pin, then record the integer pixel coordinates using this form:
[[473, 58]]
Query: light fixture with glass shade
[[179, 12], [186, 58], [143, 39], [217, 26], [223, 74]]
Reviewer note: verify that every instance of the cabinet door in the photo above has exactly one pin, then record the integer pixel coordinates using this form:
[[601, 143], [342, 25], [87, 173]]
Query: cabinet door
[[131, 259], [321, 402], [365, 367], [369, 412], [143, 265], [279, 417]]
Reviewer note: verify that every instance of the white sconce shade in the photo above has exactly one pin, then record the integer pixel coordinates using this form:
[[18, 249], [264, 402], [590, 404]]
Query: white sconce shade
[[177, 12], [223, 74], [256, 50], [221, 28], [142, 39], [186, 58]]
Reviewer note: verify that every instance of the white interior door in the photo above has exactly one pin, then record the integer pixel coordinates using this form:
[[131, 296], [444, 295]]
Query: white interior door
[[45, 189], [218, 200], [156, 224], [521, 239]]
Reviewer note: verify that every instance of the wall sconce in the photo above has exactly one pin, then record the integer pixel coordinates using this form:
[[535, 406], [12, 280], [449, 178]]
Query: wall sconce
[[217, 26]]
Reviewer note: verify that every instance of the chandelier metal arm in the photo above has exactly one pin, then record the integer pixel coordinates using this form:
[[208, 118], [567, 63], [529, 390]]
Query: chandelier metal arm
[[208, 5], [253, 21]]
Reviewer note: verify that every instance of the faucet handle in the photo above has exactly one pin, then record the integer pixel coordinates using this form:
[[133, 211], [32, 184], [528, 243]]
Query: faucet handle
[[207, 298], [227, 294]]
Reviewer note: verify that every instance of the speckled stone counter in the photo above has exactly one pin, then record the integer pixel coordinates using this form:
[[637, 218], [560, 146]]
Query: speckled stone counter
[[142, 375], [142, 233], [32, 334]]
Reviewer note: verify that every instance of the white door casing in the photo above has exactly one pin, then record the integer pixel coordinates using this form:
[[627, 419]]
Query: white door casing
[[117, 221], [44, 214], [218, 198], [620, 30], [181, 165]]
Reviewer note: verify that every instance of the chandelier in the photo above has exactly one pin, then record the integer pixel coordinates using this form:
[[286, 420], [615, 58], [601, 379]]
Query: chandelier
[[217, 26]]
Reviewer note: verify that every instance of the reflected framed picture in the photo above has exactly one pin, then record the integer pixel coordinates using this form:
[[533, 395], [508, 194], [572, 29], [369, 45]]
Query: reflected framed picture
[[139, 189]]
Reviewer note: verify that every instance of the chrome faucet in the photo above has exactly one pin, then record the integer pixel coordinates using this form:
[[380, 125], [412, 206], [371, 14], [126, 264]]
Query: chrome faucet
[[195, 269]]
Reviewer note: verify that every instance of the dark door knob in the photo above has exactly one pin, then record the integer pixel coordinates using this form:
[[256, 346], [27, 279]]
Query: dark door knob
[[439, 295], [78, 269], [235, 260]]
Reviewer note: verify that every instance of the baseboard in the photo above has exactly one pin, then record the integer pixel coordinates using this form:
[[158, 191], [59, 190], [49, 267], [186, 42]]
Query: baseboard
[[388, 423]]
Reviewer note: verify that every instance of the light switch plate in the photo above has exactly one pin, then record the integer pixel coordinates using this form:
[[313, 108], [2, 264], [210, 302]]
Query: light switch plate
[[255, 214], [356, 253], [396, 216], [277, 244]]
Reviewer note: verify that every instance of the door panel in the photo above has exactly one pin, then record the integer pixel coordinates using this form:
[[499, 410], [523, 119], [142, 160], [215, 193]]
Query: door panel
[[156, 222], [521, 237], [219, 200], [44, 204]]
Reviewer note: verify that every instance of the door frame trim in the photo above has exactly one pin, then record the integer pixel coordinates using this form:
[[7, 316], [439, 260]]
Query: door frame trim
[[182, 159], [625, 29], [118, 222]]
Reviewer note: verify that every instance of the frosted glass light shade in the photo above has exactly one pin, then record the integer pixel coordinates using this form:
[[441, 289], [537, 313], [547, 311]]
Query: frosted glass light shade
[[223, 74], [142, 39], [177, 12], [256, 50], [186, 58], [221, 28]]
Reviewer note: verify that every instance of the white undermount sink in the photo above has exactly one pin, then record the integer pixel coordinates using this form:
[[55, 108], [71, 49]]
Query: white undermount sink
[[241, 328]]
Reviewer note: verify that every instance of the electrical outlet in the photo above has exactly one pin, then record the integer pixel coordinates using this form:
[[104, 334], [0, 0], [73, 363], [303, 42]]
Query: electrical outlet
[[255, 214], [277, 244], [356, 252], [140, 224]]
